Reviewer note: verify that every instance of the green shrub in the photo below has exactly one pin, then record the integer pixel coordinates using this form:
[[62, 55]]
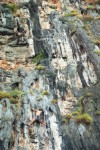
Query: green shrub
[[15, 96], [45, 93], [39, 67], [96, 41], [12, 96], [89, 32], [9, 96], [80, 17], [5, 95], [16, 93], [97, 112], [84, 118], [54, 101], [88, 94], [69, 116], [39, 57], [97, 52], [90, 7], [71, 14], [75, 113], [12, 7], [14, 101], [87, 27], [31, 92]]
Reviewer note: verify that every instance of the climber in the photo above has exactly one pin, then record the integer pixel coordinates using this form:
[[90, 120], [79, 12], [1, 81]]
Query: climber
[[23, 35], [74, 54], [5, 106], [51, 25], [39, 117], [36, 79], [19, 32], [83, 11], [82, 50], [18, 36], [88, 60], [53, 55], [28, 24], [80, 69]]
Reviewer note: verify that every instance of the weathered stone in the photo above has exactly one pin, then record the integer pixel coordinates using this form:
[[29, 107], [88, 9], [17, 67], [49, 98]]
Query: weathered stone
[[5, 31], [57, 88]]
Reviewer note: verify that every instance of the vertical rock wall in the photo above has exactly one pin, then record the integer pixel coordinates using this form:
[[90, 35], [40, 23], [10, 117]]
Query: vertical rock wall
[[70, 72]]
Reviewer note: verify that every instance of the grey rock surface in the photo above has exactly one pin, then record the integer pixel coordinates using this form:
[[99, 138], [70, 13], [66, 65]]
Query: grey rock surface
[[67, 87]]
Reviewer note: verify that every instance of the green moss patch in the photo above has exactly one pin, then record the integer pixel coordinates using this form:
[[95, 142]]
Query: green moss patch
[[96, 41], [71, 14], [84, 118], [5, 95], [69, 116], [97, 113], [12, 96], [39, 67], [39, 57], [12, 7], [46, 93], [97, 52], [54, 101]]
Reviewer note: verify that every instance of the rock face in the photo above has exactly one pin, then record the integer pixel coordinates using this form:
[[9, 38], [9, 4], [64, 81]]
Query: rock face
[[49, 60]]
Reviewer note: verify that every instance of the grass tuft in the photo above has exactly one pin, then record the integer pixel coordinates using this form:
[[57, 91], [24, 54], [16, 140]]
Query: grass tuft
[[5, 95], [69, 116], [84, 118], [39, 67], [54, 101], [12, 96], [96, 41], [12, 7], [97, 113], [75, 113], [45, 93], [39, 57], [71, 14]]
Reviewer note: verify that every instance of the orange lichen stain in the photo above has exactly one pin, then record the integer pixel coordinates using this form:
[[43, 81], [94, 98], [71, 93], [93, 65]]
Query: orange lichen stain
[[4, 64], [9, 65]]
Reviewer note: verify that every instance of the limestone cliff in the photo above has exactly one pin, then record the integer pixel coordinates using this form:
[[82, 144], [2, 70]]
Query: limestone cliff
[[50, 60]]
